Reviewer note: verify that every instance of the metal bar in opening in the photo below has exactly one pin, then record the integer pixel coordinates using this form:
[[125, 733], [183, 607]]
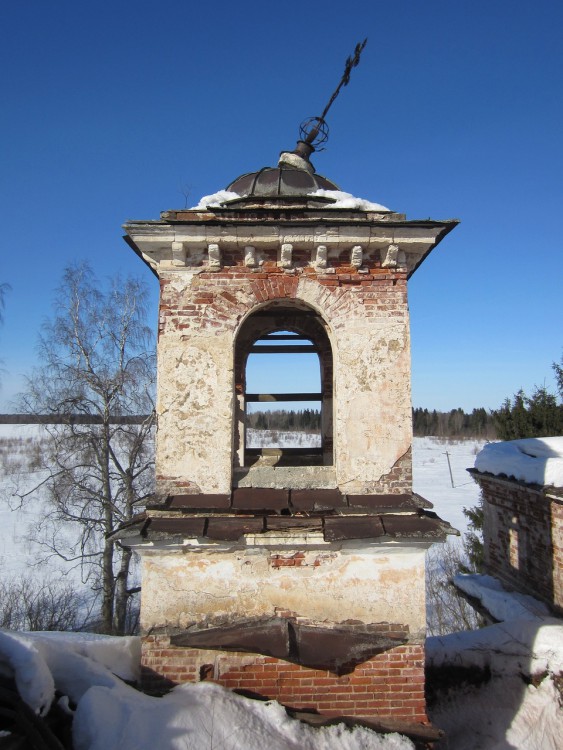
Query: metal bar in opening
[[284, 451], [284, 337], [262, 397], [284, 349]]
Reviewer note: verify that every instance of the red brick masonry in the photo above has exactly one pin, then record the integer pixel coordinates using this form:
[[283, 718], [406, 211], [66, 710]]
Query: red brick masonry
[[389, 686], [523, 533]]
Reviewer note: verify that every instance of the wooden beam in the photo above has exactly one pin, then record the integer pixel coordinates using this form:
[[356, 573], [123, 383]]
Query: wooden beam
[[284, 451], [264, 397], [72, 418], [284, 349], [284, 337]]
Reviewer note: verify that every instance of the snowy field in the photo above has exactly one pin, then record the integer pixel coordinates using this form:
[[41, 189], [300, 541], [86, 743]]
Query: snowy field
[[281, 439], [430, 469], [432, 480]]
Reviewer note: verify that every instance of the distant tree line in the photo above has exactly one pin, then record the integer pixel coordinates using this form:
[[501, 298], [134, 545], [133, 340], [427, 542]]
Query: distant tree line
[[306, 420], [455, 423]]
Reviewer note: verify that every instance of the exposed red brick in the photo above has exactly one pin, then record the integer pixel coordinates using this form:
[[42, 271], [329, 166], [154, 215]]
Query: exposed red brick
[[374, 689]]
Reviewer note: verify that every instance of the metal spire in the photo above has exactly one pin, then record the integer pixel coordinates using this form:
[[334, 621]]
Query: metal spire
[[314, 131]]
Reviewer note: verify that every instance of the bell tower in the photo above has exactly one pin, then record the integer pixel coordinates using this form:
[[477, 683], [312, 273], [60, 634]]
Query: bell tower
[[298, 575]]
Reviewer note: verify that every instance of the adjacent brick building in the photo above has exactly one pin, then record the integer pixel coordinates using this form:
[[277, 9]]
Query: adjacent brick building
[[523, 536], [295, 574]]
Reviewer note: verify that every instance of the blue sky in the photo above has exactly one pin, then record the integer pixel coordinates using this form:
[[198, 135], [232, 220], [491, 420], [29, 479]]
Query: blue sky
[[112, 109]]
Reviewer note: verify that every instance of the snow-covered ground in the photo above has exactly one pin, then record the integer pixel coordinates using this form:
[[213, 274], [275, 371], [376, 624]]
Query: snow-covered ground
[[519, 703], [281, 439], [110, 715], [519, 707], [432, 479]]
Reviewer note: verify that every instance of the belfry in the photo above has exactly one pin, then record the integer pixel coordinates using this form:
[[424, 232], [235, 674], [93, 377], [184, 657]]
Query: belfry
[[296, 574]]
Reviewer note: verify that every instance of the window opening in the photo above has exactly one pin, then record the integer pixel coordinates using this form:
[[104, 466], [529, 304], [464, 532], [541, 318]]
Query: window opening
[[283, 364], [283, 396]]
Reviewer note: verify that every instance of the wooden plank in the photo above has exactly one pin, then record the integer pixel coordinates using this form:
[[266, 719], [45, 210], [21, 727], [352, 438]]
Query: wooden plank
[[264, 397], [72, 418], [284, 349], [284, 451]]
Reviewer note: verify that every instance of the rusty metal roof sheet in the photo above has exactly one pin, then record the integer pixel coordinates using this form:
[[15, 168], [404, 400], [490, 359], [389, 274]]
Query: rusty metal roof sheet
[[250, 498], [338, 648], [231, 529], [316, 501], [339, 528], [422, 525], [278, 182], [252, 510]]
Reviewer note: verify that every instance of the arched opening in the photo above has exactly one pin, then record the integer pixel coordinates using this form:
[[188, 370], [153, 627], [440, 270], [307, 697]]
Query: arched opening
[[284, 336]]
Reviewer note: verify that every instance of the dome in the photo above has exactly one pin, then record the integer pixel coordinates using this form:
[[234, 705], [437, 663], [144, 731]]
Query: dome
[[280, 182], [294, 177]]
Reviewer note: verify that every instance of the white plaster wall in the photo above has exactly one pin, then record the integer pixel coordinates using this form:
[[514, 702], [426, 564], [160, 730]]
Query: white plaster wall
[[373, 418], [378, 585], [372, 396], [195, 410], [372, 385]]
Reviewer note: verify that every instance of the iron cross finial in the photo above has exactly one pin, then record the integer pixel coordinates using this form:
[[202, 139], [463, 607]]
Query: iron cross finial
[[314, 131]]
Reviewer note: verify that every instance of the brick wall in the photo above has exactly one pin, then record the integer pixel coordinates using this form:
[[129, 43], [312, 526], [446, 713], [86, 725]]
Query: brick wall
[[367, 314], [219, 300], [389, 686], [523, 535]]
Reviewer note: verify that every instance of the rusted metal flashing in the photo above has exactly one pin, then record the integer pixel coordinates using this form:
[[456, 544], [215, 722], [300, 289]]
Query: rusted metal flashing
[[425, 524], [337, 649], [247, 498], [317, 500], [295, 501], [335, 527], [353, 527], [203, 501], [383, 502]]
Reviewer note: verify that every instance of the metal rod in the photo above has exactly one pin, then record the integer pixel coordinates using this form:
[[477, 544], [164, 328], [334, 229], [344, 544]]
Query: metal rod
[[264, 397]]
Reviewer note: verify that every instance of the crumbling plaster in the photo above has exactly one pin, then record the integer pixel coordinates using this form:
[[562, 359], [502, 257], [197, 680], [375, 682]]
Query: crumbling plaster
[[372, 406], [381, 584]]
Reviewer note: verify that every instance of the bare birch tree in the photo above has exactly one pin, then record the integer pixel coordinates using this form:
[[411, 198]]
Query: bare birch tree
[[96, 376]]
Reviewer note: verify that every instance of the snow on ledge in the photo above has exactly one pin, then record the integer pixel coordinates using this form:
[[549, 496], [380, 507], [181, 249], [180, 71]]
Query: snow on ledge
[[347, 200], [527, 640], [534, 460], [501, 604], [216, 199]]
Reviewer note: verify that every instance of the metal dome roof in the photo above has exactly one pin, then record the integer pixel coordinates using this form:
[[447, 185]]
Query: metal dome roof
[[280, 182]]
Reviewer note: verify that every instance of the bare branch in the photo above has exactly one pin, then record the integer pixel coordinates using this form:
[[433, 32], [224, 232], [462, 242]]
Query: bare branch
[[97, 358]]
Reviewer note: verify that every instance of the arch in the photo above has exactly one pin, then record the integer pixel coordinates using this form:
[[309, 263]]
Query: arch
[[296, 317]]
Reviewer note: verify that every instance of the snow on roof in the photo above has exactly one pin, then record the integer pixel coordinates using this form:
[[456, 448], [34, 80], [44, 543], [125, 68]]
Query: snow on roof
[[347, 200], [216, 199], [341, 200], [526, 641], [499, 603], [533, 460]]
